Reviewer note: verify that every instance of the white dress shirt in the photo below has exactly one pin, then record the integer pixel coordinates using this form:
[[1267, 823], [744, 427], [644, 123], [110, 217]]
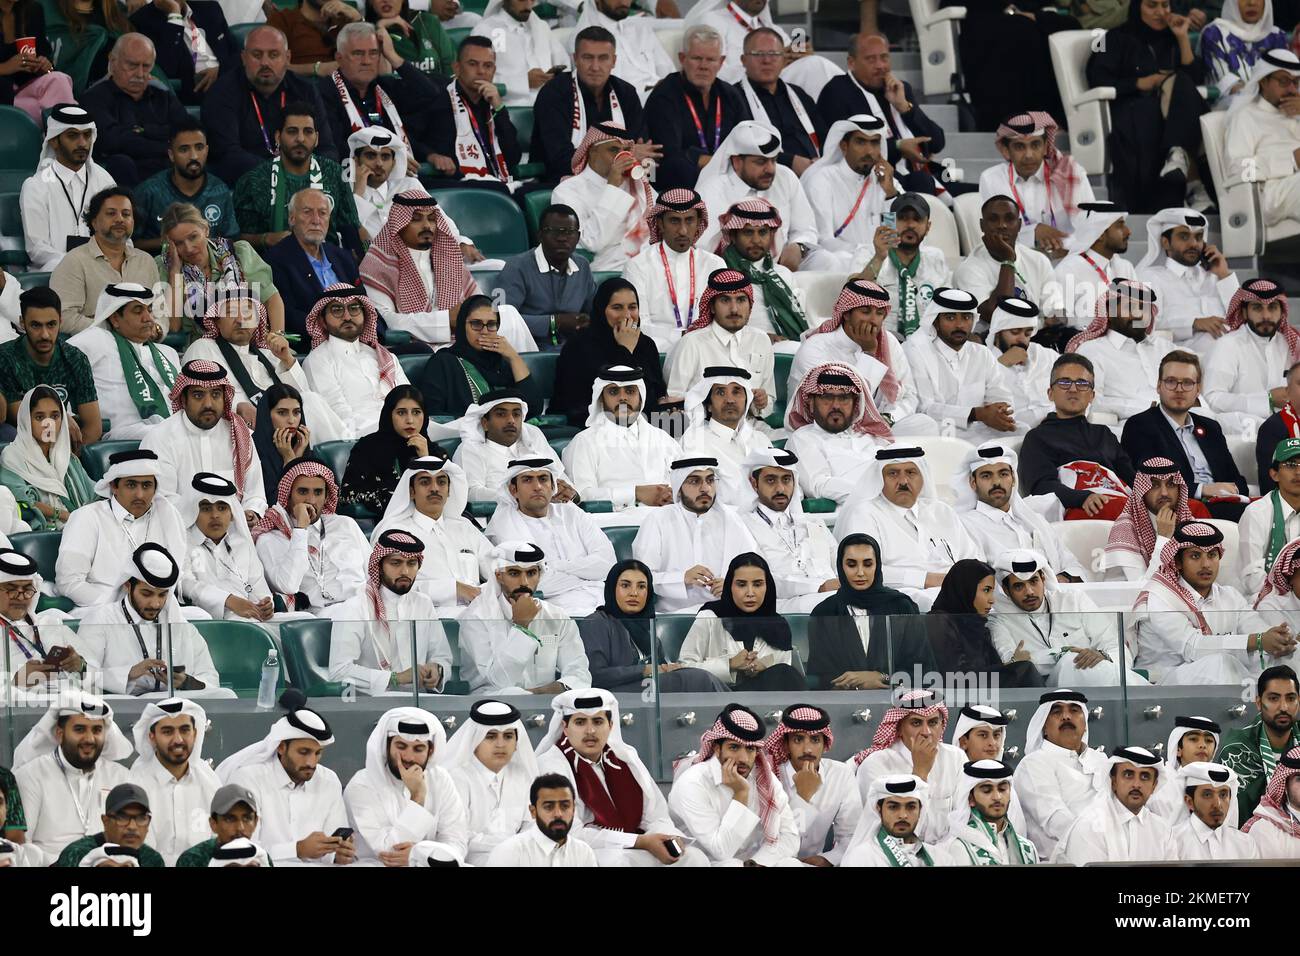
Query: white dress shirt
[[710, 647], [1126, 372], [1193, 840], [288, 812], [672, 539], [833, 192], [607, 461], [835, 807], [952, 383], [603, 215], [326, 561], [799, 549], [928, 537], [63, 804], [978, 274], [1242, 368], [532, 848], [995, 532], [366, 654], [1271, 842], [530, 45], [1109, 832], [499, 657], [797, 221], [1186, 434], [1188, 293], [346, 375], [486, 462], [731, 446], [943, 779], [115, 403], [725, 829], [1174, 651], [219, 570], [1028, 383], [53, 201], [831, 465], [110, 638], [385, 815], [1055, 785], [646, 271], [747, 348], [101, 535], [496, 806], [578, 554], [1067, 618], [184, 450], [180, 807], [1003, 180], [1079, 283]]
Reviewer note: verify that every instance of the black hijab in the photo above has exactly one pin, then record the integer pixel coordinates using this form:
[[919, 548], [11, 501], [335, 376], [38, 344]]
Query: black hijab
[[877, 599], [959, 632], [747, 627], [639, 626], [491, 365], [264, 436]]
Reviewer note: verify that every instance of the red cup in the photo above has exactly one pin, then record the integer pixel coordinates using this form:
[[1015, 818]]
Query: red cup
[[26, 45]]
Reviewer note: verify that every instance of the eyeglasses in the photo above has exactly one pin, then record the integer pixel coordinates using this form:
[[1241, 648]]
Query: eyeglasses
[[1073, 384], [1179, 384], [336, 310], [766, 54], [131, 819], [17, 590], [477, 325], [564, 232]]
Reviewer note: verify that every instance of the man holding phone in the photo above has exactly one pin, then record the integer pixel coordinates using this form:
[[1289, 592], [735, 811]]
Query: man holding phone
[[534, 55], [40, 646], [1193, 282], [849, 189]]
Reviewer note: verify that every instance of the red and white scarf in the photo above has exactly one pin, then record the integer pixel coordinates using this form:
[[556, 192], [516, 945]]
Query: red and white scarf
[[1170, 580], [579, 127], [1251, 292], [241, 439], [852, 297], [276, 518], [374, 578], [1275, 797], [866, 418], [470, 159], [635, 230], [356, 121], [758, 112], [766, 782], [1058, 169], [1102, 311]]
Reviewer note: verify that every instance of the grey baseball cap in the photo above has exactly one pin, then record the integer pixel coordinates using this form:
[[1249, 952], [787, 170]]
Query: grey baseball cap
[[913, 201], [124, 795], [226, 797]]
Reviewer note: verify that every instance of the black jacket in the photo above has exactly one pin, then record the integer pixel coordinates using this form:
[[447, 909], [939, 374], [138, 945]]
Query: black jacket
[[297, 283], [841, 98], [794, 138], [1270, 433], [553, 120], [174, 57], [442, 128], [1054, 442], [1148, 434], [412, 93], [139, 128], [669, 123], [235, 138]]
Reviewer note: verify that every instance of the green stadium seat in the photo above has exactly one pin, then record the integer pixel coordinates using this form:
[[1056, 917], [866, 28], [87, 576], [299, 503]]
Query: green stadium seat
[[541, 366], [30, 280], [781, 372], [534, 203], [238, 649], [493, 220], [449, 445], [13, 244], [621, 539], [20, 140], [459, 33], [413, 365], [599, 277], [307, 657], [95, 457], [42, 547], [671, 630], [11, 180], [482, 509], [559, 444], [819, 506], [335, 454], [240, 31], [598, 506], [522, 118]]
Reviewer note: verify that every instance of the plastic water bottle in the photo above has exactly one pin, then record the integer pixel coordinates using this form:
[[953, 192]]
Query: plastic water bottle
[[270, 677]]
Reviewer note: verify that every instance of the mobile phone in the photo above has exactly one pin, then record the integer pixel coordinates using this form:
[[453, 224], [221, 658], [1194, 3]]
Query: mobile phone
[[888, 219], [343, 833], [1207, 261], [673, 847], [56, 654]]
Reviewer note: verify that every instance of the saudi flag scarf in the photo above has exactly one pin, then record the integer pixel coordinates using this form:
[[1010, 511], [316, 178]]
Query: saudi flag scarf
[[280, 210], [782, 306], [1277, 538], [149, 399], [909, 318]]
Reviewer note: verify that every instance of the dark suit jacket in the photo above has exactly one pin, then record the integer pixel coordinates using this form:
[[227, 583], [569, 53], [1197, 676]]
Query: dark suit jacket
[[138, 129], [1270, 433], [841, 98], [1147, 434], [297, 282], [174, 57]]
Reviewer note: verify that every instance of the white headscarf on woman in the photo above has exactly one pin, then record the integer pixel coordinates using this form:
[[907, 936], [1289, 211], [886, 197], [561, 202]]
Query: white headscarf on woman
[[23, 456], [1231, 22]]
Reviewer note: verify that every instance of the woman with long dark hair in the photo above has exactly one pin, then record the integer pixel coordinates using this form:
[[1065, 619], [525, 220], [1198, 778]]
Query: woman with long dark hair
[[959, 629], [85, 31], [478, 360], [280, 434], [418, 38], [379, 459]]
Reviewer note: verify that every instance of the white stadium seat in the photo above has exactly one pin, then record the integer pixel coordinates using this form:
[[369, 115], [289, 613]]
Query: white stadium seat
[[943, 231], [1087, 111], [1243, 453], [943, 455], [1086, 540], [819, 291], [936, 30], [1240, 217], [966, 210], [1230, 566]]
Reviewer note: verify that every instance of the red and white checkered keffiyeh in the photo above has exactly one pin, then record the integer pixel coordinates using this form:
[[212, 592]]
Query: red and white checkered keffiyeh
[[867, 419], [1275, 796], [317, 332], [274, 519], [208, 323], [1263, 290], [760, 213], [851, 298], [637, 230], [1285, 565], [676, 200], [766, 783], [805, 714], [1100, 324], [389, 268], [1059, 170], [241, 439], [887, 732], [374, 588], [1170, 579], [1133, 531], [734, 281]]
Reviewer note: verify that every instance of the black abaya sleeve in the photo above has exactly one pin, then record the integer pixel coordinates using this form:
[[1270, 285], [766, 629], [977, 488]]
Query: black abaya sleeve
[[834, 647], [1116, 64], [574, 374], [443, 385]]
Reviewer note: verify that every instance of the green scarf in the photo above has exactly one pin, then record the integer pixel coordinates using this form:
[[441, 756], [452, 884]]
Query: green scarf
[[1277, 539], [477, 383], [280, 210], [1267, 755], [890, 847], [980, 856], [148, 398], [782, 306], [909, 318]]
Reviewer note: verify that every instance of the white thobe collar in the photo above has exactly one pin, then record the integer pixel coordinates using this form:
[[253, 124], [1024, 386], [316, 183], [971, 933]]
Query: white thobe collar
[[69, 176], [1117, 341], [946, 352], [424, 266], [1180, 270], [545, 267], [724, 432], [288, 782], [781, 518], [997, 514], [1058, 752], [154, 768], [123, 516], [193, 431], [726, 339], [343, 345], [422, 520], [673, 256], [1126, 817], [904, 513], [1037, 178], [1202, 832], [548, 846]]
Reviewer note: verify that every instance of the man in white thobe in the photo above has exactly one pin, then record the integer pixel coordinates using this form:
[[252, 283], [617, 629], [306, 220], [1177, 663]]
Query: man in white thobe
[[1205, 829], [170, 767], [585, 745], [1093, 260], [348, 366], [65, 767], [550, 840], [495, 431], [886, 834], [1024, 365], [1059, 775], [299, 800], [1118, 827], [799, 548], [671, 272], [1122, 349], [745, 167], [717, 408], [429, 502], [40, 659], [642, 59], [579, 554], [1262, 137], [1193, 740], [226, 578], [1245, 373], [611, 195], [921, 536], [204, 434], [998, 519], [99, 535], [1191, 277], [980, 830], [729, 800], [514, 643], [54, 199], [140, 643], [401, 797], [958, 380], [620, 457], [688, 545], [849, 189], [388, 638], [747, 241], [531, 53], [822, 792]]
